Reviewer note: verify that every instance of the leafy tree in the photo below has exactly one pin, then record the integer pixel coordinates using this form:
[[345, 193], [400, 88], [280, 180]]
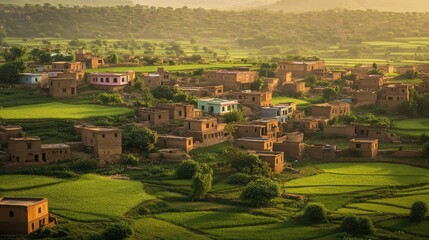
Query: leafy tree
[[14, 54], [329, 94], [233, 117], [347, 118], [202, 183], [357, 226], [9, 71], [198, 72], [267, 69], [164, 92], [42, 56], [246, 163], [130, 159], [143, 139], [117, 231], [258, 84], [187, 169], [114, 59], [240, 179], [260, 192], [419, 211], [185, 97], [315, 213], [310, 80]]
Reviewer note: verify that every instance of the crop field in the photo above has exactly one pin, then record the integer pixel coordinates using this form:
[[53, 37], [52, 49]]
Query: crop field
[[90, 198], [421, 228], [412, 127], [184, 67], [59, 110], [17, 182], [151, 228], [210, 220], [282, 99]]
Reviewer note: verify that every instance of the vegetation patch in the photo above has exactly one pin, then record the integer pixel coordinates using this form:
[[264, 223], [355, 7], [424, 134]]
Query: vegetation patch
[[209, 220], [412, 127], [17, 182], [405, 225], [283, 99], [58, 110], [151, 228]]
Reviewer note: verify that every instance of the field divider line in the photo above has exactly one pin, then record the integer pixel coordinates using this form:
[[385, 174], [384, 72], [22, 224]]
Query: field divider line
[[386, 204], [385, 175], [33, 187], [193, 230]]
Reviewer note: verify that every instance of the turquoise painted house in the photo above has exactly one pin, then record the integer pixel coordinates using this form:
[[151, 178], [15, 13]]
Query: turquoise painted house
[[217, 106], [32, 78]]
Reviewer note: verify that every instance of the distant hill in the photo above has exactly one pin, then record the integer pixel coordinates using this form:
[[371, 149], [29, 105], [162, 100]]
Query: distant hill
[[70, 2], [208, 4], [381, 5]]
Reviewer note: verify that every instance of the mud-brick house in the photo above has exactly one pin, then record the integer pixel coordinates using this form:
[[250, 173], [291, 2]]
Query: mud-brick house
[[112, 81], [217, 106], [393, 95], [104, 142], [254, 99], [371, 82], [291, 144], [62, 87], [7, 132], [301, 69], [178, 111], [206, 91], [155, 117], [262, 128], [331, 109], [323, 152], [231, 80], [275, 159], [30, 150], [205, 131], [154, 80], [366, 147], [170, 141], [254, 143], [89, 59], [424, 86], [23, 216], [362, 97]]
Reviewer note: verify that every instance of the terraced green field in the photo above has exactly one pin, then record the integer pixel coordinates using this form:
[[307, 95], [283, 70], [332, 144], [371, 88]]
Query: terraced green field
[[90, 198], [59, 110], [282, 99], [412, 127]]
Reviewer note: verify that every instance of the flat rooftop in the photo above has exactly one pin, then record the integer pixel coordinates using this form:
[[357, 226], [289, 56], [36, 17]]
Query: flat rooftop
[[173, 137], [218, 101], [25, 139], [253, 139], [363, 140], [10, 128], [26, 202], [55, 146]]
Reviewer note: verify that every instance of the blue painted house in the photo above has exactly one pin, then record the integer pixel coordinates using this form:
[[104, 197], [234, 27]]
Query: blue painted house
[[282, 111]]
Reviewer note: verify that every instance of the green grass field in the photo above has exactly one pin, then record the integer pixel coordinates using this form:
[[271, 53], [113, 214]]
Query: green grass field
[[282, 99], [59, 110], [90, 198], [412, 127], [151, 228], [210, 220], [184, 67], [405, 225], [16, 182]]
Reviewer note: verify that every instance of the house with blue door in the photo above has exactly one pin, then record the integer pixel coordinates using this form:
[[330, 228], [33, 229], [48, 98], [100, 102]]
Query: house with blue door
[[217, 106]]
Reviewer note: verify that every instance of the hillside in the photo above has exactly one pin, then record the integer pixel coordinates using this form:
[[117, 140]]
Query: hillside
[[381, 5], [70, 2]]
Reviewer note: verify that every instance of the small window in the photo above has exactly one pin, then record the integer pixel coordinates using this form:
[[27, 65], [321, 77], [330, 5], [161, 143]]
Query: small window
[[116, 135], [11, 214], [28, 145], [207, 125], [32, 226], [107, 80], [40, 210], [159, 116], [358, 145], [103, 136], [101, 79], [64, 90], [115, 80]]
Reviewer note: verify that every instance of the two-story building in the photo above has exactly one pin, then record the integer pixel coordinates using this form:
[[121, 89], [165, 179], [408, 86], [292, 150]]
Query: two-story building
[[231, 80], [301, 69], [254, 99], [393, 95], [62, 87], [370, 82], [366, 147], [205, 131], [171, 141], [23, 216], [7, 132], [33, 78], [112, 81], [155, 117], [154, 80], [282, 112]]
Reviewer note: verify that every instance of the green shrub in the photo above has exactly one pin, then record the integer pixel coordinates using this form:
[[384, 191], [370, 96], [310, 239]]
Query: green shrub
[[187, 169], [357, 226], [240, 179], [130, 159], [202, 183], [85, 165], [260, 192], [235, 116], [109, 99], [419, 211], [117, 231], [315, 213]]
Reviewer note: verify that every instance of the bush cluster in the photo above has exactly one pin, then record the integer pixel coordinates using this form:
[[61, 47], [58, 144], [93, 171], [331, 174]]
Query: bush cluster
[[419, 211], [260, 192], [240, 179], [315, 213], [357, 226], [187, 169]]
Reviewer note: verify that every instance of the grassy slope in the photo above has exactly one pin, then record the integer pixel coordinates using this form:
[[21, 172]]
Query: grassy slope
[[282, 99], [90, 198], [412, 127]]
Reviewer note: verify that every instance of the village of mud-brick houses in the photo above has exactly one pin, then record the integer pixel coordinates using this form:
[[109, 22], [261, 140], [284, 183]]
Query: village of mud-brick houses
[[273, 132]]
